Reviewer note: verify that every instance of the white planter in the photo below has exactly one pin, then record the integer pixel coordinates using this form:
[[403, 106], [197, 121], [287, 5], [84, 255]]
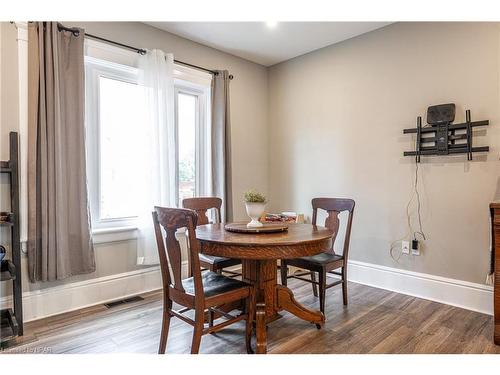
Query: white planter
[[255, 211]]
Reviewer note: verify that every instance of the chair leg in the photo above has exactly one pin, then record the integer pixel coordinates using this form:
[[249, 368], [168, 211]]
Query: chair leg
[[198, 330], [322, 290], [165, 325], [314, 286], [284, 273], [211, 317], [250, 310], [344, 285]]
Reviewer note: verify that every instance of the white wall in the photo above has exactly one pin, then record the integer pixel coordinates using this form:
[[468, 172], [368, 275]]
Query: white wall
[[335, 129], [9, 106]]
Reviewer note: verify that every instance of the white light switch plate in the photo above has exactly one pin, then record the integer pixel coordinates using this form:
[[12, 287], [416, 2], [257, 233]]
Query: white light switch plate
[[405, 247]]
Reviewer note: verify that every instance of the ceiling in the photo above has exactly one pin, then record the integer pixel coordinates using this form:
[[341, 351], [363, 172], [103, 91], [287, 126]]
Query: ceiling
[[257, 42]]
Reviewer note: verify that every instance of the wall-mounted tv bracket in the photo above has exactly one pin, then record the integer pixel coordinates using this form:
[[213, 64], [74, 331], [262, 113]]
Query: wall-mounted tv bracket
[[441, 136]]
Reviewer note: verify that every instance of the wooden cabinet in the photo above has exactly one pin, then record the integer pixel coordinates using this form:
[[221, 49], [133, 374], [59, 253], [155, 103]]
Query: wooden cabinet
[[495, 233]]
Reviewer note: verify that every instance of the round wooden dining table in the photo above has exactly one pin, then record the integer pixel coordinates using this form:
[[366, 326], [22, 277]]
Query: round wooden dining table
[[259, 253]]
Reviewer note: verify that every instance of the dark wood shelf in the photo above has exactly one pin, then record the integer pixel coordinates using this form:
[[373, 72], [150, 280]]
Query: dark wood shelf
[[9, 328], [7, 270], [10, 270]]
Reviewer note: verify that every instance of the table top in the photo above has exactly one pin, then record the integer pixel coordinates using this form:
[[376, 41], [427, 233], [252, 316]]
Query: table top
[[299, 240]]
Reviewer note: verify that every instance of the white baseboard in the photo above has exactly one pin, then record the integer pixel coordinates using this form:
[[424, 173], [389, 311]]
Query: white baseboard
[[464, 294], [43, 303], [68, 297]]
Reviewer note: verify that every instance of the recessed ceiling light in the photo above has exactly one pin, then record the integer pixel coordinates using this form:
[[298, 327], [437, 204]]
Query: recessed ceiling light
[[271, 24]]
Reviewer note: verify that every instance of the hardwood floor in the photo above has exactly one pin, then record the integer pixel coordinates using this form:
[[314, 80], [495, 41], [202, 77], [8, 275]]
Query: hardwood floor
[[375, 321]]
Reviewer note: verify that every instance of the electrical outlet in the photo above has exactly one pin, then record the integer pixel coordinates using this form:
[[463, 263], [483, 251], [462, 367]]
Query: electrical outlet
[[405, 247], [415, 248]]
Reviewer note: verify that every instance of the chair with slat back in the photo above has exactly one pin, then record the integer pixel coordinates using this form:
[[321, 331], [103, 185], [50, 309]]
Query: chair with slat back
[[328, 261], [201, 205], [203, 291]]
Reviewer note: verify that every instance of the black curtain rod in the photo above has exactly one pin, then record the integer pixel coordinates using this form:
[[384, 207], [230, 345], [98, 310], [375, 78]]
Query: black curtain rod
[[140, 51]]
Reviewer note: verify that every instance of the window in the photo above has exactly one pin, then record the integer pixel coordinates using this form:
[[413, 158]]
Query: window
[[118, 132], [191, 126], [186, 125], [114, 108], [113, 111]]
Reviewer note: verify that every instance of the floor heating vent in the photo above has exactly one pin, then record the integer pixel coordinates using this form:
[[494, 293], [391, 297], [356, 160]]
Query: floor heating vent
[[120, 302]]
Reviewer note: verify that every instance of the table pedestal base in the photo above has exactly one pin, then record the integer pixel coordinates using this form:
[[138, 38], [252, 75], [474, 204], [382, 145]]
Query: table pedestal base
[[272, 298]]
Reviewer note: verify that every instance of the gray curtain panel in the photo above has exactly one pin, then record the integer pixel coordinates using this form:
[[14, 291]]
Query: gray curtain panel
[[59, 238], [221, 144]]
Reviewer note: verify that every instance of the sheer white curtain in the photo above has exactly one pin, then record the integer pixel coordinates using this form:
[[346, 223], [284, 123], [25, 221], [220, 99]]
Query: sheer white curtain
[[158, 174]]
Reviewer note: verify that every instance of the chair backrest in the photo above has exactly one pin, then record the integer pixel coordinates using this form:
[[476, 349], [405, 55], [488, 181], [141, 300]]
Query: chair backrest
[[334, 206], [173, 219], [201, 205]]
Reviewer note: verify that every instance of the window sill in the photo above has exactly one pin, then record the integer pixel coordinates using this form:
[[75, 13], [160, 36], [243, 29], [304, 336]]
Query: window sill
[[108, 235]]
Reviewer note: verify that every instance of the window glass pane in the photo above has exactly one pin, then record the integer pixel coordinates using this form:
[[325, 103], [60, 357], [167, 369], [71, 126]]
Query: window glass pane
[[121, 106], [186, 123]]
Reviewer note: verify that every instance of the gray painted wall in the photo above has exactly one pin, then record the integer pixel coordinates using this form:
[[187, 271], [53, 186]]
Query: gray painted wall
[[335, 128]]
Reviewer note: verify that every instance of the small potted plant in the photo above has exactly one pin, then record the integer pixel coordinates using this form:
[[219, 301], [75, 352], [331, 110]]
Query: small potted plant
[[255, 204]]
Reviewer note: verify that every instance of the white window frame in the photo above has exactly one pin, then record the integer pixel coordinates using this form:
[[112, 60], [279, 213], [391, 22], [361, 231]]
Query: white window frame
[[94, 70], [201, 133], [104, 60], [196, 82]]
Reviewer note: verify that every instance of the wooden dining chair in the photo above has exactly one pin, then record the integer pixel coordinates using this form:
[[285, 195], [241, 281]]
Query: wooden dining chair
[[201, 205], [204, 291], [328, 261]]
